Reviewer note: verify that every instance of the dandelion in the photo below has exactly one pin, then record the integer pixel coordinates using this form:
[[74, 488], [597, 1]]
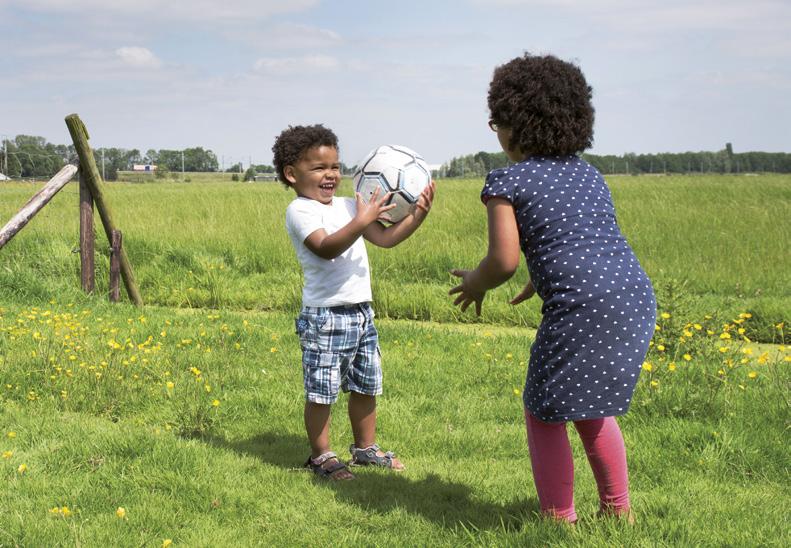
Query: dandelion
[[660, 347], [170, 385], [11, 434], [8, 454], [22, 468], [671, 366], [687, 357], [747, 351], [752, 374], [725, 335], [273, 350], [166, 543], [654, 383], [697, 327], [721, 372], [647, 366], [215, 403], [665, 316], [763, 358], [516, 392], [723, 349], [120, 512]]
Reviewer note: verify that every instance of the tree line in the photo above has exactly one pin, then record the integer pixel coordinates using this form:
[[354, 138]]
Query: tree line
[[723, 161], [28, 156]]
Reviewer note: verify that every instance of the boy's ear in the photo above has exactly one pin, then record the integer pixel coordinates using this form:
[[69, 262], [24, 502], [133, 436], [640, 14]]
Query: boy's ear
[[288, 171]]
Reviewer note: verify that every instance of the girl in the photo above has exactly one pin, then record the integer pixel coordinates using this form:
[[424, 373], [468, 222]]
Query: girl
[[599, 309]]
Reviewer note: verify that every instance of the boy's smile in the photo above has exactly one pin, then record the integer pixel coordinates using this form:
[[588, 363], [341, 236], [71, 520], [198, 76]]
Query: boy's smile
[[316, 175]]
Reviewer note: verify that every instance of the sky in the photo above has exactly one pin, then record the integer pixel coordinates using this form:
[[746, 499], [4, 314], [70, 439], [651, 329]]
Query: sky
[[667, 75]]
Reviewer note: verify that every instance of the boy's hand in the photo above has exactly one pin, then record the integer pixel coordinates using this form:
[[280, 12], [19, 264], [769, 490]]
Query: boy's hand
[[526, 293], [468, 291], [375, 209], [425, 199]]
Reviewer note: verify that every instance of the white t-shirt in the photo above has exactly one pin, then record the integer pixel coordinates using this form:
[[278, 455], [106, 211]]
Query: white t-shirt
[[345, 279]]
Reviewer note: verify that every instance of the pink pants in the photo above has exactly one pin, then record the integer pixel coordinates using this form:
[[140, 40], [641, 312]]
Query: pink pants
[[553, 466]]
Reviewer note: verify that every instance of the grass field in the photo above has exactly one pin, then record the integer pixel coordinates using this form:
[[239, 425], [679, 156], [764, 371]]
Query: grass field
[[182, 421]]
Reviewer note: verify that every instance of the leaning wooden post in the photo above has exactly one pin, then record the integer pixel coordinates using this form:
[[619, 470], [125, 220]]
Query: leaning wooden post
[[115, 265], [79, 135], [87, 239], [34, 205]]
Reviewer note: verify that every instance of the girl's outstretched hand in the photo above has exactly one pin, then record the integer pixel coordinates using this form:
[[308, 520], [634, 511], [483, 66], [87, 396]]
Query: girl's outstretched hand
[[526, 293], [467, 290]]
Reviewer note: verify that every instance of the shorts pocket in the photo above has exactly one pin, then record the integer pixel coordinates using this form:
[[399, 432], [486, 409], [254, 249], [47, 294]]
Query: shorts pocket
[[309, 327]]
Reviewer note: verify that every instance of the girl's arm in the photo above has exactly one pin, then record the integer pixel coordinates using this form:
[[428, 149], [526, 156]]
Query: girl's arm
[[500, 262], [396, 233]]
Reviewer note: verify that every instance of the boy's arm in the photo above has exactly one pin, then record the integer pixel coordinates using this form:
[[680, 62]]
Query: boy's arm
[[396, 233], [330, 246]]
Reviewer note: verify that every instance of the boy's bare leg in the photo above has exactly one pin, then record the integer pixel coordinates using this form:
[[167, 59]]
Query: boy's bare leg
[[362, 415], [317, 425]]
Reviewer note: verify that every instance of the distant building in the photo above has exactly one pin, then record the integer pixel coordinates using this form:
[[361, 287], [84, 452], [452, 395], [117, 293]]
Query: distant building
[[265, 177], [144, 167]]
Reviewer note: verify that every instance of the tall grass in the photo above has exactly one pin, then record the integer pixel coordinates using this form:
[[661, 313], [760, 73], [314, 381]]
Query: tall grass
[[722, 238]]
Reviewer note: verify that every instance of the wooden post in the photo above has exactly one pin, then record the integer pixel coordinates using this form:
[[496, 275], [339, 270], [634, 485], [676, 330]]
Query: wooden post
[[34, 205], [87, 239], [79, 135], [115, 265]]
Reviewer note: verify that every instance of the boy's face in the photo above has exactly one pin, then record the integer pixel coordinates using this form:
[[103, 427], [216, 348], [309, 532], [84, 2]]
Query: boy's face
[[316, 175]]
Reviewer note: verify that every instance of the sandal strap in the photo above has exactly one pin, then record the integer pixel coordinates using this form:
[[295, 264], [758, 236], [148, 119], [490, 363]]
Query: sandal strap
[[321, 459]]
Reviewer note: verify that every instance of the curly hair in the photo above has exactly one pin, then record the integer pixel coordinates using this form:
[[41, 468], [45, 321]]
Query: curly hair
[[546, 103], [292, 143]]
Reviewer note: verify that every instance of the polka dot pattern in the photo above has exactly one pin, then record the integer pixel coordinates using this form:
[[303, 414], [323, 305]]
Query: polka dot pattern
[[599, 309]]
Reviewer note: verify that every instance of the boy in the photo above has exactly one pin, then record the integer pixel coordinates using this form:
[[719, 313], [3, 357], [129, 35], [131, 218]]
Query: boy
[[339, 341]]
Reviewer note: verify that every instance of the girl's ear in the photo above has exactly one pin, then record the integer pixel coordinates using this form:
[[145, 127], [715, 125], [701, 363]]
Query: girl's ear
[[288, 171]]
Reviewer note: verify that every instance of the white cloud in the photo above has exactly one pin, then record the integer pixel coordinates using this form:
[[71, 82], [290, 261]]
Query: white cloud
[[138, 57], [323, 63], [286, 36], [173, 10]]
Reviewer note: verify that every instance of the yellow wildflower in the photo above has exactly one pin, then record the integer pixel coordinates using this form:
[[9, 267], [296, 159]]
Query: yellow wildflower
[[647, 366], [752, 374], [8, 454], [654, 383], [671, 366], [665, 316], [660, 347], [121, 512], [687, 357], [166, 543], [22, 468], [215, 403]]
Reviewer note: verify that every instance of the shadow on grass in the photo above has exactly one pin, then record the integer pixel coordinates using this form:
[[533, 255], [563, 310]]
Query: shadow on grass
[[436, 499]]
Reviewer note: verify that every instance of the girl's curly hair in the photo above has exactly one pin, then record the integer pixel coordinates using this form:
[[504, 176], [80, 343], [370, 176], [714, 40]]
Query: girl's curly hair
[[292, 143], [546, 103]]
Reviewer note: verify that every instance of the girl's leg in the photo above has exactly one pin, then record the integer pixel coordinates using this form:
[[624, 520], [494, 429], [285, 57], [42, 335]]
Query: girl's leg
[[553, 467], [607, 456]]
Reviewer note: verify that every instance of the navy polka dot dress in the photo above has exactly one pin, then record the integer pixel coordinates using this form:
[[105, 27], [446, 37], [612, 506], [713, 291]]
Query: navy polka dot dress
[[599, 309]]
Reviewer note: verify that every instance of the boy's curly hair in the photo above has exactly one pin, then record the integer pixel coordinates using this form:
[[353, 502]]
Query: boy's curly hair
[[292, 143], [546, 103]]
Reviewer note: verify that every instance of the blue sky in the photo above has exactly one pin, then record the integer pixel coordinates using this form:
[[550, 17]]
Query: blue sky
[[667, 75]]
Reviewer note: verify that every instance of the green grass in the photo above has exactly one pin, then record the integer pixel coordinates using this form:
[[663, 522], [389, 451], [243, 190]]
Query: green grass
[[720, 238], [202, 475], [109, 406]]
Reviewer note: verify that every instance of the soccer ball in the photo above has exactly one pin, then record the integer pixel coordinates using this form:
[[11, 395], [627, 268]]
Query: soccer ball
[[396, 169]]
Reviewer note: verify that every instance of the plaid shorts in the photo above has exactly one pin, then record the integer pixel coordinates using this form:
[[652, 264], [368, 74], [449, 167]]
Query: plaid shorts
[[340, 349]]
